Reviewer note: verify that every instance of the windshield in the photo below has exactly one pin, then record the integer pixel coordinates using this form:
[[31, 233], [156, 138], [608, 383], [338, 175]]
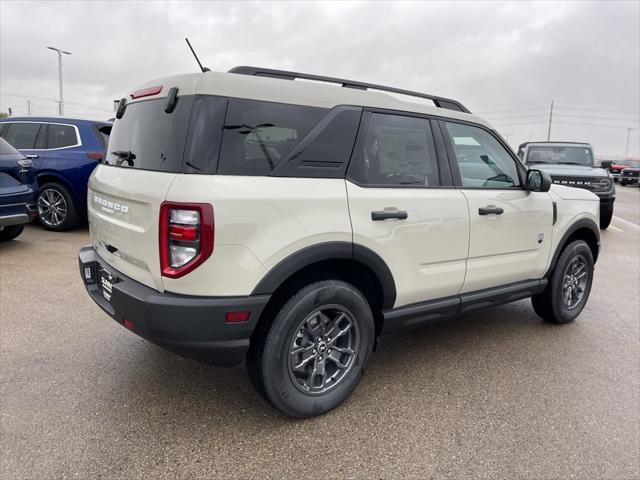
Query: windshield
[[148, 138], [564, 155]]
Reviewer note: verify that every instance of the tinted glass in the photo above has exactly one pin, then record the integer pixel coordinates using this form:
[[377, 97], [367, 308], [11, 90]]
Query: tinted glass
[[482, 160], [258, 135], [60, 136], [564, 155], [396, 150], [205, 134], [148, 138], [22, 135], [326, 150]]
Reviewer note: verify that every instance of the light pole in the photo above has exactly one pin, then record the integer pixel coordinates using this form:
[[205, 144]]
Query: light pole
[[626, 150], [60, 52]]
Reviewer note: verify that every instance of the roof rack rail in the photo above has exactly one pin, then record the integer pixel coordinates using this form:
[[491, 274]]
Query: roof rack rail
[[439, 102]]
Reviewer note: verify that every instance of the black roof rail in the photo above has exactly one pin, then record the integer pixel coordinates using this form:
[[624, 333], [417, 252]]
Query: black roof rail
[[439, 102]]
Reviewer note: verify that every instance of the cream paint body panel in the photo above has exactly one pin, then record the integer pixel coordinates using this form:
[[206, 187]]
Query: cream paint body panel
[[134, 232], [504, 248], [269, 218], [574, 204], [427, 252]]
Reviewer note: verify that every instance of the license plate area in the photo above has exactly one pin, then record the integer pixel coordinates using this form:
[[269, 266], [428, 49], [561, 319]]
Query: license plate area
[[106, 281]]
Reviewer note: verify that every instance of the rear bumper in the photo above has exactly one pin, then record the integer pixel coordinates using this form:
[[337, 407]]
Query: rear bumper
[[193, 327], [17, 214]]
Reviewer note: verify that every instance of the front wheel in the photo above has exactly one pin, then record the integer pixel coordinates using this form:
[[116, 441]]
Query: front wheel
[[569, 285], [316, 350], [56, 210]]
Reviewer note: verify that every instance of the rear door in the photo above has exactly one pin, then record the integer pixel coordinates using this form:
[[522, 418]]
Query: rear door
[[125, 193], [510, 236], [403, 206]]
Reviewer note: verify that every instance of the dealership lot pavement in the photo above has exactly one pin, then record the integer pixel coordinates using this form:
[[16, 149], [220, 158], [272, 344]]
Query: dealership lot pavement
[[493, 394]]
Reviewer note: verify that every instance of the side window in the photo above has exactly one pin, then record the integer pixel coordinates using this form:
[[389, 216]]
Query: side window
[[395, 150], [257, 136], [41, 139], [482, 160], [22, 135], [60, 136]]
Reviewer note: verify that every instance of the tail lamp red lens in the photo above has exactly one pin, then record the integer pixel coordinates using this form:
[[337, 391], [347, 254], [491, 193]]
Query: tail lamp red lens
[[99, 156], [186, 237]]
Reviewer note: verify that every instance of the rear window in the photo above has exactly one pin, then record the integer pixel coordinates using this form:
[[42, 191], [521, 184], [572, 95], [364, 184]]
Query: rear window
[[258, 136], [148, 138]]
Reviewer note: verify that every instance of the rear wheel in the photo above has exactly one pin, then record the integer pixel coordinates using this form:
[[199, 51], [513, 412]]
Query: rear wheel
[[11, 232], [569, 286], [56, 210], [315, 351]]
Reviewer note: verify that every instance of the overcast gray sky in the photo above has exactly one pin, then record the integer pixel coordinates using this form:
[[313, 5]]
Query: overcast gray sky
[[504, 60]]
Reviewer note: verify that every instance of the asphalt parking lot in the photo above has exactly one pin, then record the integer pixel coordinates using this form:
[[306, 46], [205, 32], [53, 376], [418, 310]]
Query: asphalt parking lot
[[493, 394]]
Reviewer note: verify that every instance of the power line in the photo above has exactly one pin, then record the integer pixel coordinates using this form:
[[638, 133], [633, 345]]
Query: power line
[[593, 125]]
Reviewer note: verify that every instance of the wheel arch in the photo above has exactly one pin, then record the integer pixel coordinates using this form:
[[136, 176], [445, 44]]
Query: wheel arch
[[50, 177], [584, 229], [355, 264]]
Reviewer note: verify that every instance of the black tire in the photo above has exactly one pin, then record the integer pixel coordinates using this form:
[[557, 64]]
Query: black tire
[[10, 232], [623, 183], [66, 217], [551, 304], [271, 358], [605, 217]]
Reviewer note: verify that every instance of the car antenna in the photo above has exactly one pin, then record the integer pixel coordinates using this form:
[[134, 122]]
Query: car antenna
[[204, 69]]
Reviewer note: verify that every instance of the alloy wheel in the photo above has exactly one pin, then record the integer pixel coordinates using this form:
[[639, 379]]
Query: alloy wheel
[[323, 349], [574, 283], [52, 207]]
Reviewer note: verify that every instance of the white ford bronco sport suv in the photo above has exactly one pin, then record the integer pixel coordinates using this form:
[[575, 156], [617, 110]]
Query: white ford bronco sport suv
[[272, 216]]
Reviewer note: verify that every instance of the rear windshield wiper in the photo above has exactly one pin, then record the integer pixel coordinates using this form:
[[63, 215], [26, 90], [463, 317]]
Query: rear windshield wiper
[[124, 156]]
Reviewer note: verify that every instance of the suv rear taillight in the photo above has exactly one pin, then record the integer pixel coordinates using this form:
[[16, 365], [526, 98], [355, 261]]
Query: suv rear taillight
[[186, 237]]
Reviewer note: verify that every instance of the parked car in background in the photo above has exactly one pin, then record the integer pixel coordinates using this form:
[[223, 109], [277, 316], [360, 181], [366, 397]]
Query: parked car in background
[[614, 169], [64, 152], [18, 192], [572, 164], [630, 176]]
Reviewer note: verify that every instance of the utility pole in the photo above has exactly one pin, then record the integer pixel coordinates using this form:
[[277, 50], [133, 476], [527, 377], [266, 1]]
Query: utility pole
[[60, 52], [626, 150], [550, 120], [29, 107]]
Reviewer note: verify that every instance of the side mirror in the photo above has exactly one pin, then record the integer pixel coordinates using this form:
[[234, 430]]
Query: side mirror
[[538, 181]]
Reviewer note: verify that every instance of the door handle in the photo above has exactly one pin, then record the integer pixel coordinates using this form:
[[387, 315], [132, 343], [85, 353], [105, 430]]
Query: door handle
[[385, 214], [32, 156], [490, 210]]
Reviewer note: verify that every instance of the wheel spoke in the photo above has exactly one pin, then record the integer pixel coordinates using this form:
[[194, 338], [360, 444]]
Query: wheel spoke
[[336, 357], [306, 355], [317, 371]]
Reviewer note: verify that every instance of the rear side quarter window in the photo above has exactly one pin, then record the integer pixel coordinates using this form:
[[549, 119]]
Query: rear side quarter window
[[257, 136]]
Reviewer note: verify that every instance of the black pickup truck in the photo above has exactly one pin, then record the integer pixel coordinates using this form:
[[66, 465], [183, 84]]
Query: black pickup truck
[[572, 164]]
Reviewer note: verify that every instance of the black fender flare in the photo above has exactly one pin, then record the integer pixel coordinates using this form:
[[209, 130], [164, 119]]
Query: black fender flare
[[330, 251], [580, 224]]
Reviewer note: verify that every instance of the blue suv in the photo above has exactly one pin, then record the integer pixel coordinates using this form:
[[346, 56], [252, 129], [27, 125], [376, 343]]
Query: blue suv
[[64, 152]]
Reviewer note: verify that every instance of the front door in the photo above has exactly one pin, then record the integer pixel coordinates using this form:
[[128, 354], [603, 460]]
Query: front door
[[510, 238], [400, 210]]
